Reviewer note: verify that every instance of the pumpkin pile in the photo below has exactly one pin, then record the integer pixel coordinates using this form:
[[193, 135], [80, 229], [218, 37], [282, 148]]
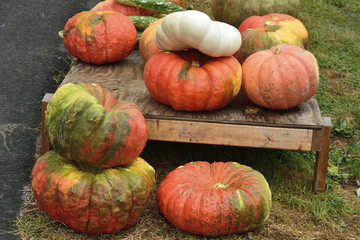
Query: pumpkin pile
[[93, 180]]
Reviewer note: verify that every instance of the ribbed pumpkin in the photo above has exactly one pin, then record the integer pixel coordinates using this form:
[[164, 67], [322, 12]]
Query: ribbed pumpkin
[[286, 21], [87, 124], [112, 5], [100, 36], [92, 200], [147, 46], [235, 12], [263, 38], [192, 81], [214, 199], [281, 77]]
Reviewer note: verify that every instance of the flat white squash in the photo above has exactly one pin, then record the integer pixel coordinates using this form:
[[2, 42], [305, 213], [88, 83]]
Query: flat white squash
[[194, 29]]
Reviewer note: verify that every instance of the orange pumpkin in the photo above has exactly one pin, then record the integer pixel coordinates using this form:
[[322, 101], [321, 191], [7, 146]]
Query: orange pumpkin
[[147, 46], [281, 77], [100, 36], [192, 81]]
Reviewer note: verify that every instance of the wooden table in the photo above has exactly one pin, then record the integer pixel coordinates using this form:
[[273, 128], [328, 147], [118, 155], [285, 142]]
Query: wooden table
[[239, 124]]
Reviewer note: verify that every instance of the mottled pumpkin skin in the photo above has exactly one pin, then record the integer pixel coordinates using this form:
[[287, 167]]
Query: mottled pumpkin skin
[[100, 36], [281, 77], [263, 38], [214, 199], [235, 12], [92, 200], [87, 124], [192, 81], [113, 5], [286, 21], [147, 46]]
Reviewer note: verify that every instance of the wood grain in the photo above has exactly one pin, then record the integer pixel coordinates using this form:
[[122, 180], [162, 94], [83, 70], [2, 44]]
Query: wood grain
[[125, 80], [229, 134]]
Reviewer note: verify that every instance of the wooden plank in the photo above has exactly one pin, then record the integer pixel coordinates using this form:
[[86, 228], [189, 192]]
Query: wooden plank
[[125, 80], [45, 145], [322, 157], [229, 134]]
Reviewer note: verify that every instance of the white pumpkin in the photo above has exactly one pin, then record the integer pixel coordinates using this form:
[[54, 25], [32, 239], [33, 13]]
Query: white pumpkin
[[194, 29]]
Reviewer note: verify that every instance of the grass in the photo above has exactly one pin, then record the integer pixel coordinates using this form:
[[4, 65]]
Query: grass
[[297, 213]]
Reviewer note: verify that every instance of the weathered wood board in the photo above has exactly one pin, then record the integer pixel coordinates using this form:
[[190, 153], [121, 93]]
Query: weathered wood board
[[125, 80]]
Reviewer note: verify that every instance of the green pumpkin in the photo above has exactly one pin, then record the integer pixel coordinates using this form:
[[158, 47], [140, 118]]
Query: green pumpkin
[[235, 12], [87, 124]]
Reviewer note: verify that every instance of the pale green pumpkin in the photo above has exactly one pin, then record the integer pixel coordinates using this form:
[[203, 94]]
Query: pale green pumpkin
[[235, 12]]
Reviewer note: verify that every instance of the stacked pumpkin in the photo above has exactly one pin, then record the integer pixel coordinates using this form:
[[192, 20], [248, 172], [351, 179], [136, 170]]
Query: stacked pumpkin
[[190, 66], [93, 180], [189, 62]]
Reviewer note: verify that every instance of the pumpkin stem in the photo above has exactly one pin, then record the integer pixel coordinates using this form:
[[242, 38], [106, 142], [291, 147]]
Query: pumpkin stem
[[195, 64], [219, 185], [277, 51], [267, 23], [61, 33]]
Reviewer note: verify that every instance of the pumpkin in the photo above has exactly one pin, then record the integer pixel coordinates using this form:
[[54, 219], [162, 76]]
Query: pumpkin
[[263, 38], [99, 36], [194, 29], [235, 12], [192, 81], [214, 199], [147, 46], [89, 199], [286, 21], [87, 124], [281, 77], [113, 5]]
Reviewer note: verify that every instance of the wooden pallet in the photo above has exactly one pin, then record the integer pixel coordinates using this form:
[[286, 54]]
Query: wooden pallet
[[239, 124]]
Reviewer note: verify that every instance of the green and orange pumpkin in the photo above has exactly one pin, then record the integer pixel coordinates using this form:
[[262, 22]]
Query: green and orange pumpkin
[[288, 22], [99, 36], [214, 199], [192, 81], [280, 78], [87, 124], [263, 38], [89, 199]]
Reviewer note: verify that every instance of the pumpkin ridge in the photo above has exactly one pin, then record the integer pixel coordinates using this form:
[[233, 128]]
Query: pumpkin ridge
[[95, 127], [299, 82], [262, 66]]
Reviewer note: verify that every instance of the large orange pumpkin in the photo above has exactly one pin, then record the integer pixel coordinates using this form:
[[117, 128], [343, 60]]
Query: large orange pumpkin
[[100, 36], [281, 77], [214, 199], [192, 81], [286, 21], [147, 46]]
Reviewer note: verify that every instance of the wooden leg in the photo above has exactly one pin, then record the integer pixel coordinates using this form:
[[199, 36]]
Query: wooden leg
[[45, 145], [322, 157]]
